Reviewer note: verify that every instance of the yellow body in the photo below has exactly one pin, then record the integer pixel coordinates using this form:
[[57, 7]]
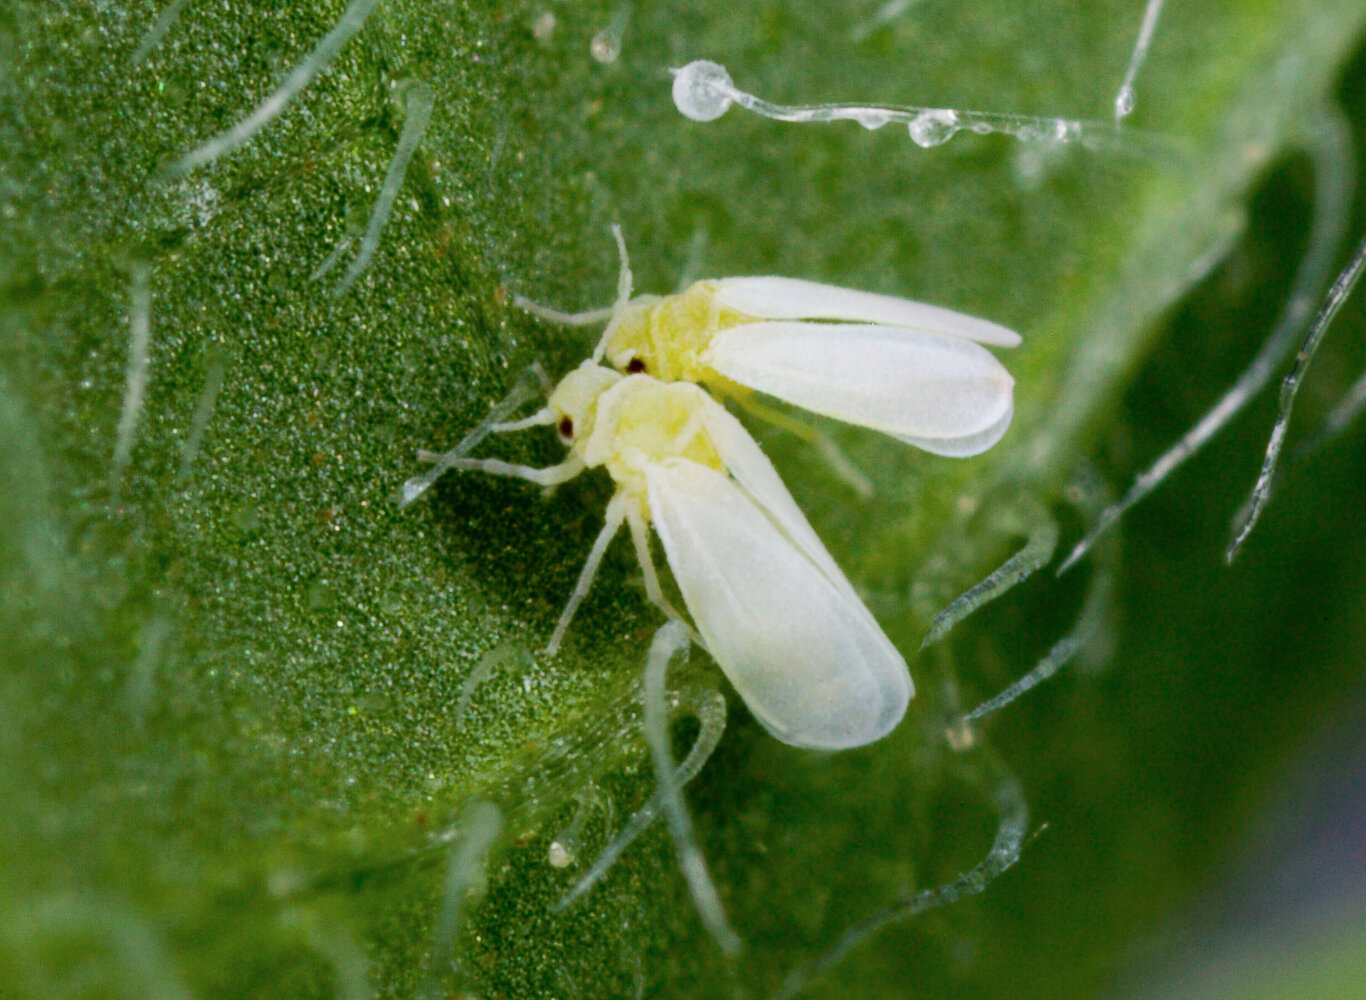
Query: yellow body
[[624, 422], [668, 336]]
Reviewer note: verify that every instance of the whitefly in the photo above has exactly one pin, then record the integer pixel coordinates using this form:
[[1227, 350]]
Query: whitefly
[[918, 372], [764, 596]]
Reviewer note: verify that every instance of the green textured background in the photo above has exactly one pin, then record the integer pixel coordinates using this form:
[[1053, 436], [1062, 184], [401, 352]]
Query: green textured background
[[228, 752]]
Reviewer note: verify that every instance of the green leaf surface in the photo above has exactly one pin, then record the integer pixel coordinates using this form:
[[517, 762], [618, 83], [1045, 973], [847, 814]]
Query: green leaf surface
[[239, 727]]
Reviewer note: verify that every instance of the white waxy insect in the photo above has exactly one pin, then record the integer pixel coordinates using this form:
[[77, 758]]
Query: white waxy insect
[[767, 600], [917, 372]]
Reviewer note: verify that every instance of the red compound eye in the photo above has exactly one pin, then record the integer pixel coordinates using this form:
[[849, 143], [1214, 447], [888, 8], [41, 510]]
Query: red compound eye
[[566, 428], [635, 366]]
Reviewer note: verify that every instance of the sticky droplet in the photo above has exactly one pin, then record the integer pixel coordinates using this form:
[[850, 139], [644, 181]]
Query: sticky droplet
[[559, 855], [1125, 101], [543, 28], [702, 90], [605, 47], [606, 44], [1125, 98], [933, 127]]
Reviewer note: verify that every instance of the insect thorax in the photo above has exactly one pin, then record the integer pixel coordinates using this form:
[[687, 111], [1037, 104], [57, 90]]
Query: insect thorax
[[641, 421], [670, 335]]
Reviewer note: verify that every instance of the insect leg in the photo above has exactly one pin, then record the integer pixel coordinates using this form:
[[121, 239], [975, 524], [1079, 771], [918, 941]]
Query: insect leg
[[541, 418], [640, 538], [593, 315], [616, 513], [417, 485], [538, 372], [624, 282], [550, 476], [624, 279]]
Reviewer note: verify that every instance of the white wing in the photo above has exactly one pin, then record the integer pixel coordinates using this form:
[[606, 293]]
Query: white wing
[[756, 475], [964, 447], [945, 394], [792, 298], [810, 662]]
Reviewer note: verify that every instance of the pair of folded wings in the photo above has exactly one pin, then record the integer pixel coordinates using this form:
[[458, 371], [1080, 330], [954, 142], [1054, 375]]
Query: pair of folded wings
[[775, 611], [773, 608], [914, 371]]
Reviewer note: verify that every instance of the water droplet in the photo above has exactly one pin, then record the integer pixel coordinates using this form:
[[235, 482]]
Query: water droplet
[[543, 27], [1065, 130], [933, 127], [1125, 101], [560, 855], [605, 46], [702, 90], [960, 736]]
